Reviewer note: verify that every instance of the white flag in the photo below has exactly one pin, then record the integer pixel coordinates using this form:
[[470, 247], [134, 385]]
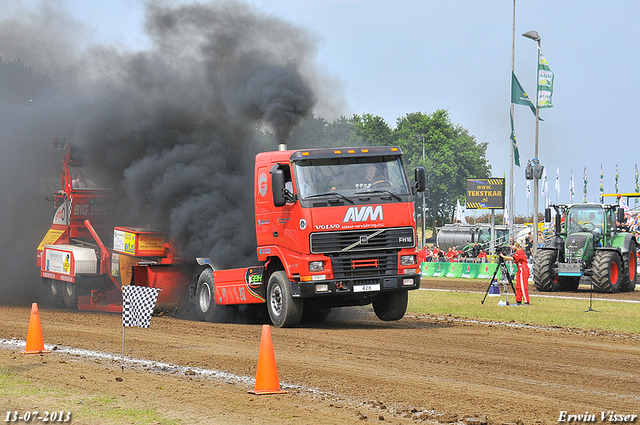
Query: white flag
[[460, 213], [622, 204], [557, 184], [545, 184], [528, 188]]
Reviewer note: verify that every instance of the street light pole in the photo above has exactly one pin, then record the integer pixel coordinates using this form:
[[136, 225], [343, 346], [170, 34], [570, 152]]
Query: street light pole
[[511, 150], [533, 35]]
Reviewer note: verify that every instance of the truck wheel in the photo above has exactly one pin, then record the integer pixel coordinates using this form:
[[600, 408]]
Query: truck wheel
[[69, 294], [391, 305], [629, 271], [55, 292], [606, 271], [284, 310], [545, 275], [205, 296]]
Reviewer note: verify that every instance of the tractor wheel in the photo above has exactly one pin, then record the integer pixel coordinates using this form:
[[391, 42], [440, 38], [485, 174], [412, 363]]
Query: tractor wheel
[[205, 297], [284, 310], [69, 294], [55, 292], [629, 271], [606, 272], [391, 305], [545, 275]]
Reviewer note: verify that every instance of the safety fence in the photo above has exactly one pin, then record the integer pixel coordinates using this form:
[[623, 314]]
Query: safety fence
[[464, 270]]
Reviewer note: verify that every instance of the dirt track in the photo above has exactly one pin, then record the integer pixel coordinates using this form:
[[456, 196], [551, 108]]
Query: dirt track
[[350, 369]]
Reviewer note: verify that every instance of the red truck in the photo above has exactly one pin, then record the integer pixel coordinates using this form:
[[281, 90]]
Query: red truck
[[334, 228]]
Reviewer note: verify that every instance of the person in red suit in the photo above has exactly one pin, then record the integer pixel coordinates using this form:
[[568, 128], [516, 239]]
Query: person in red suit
[[422, 255], [522, 275]]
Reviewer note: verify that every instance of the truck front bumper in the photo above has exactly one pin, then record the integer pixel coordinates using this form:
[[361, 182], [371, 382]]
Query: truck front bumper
[[355, 286]]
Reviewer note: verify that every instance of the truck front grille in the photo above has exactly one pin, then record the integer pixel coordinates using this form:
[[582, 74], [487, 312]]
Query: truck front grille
[[362, 240]]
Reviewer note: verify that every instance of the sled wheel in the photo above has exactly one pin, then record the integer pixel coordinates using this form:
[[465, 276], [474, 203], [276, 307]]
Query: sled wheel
[[69, 294], [55, 292]]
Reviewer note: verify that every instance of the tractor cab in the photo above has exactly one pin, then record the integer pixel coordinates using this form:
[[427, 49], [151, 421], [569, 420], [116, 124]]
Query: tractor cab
[[84, 194]]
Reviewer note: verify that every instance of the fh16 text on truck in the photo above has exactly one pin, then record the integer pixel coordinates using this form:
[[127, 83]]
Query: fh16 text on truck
[[334, 228]]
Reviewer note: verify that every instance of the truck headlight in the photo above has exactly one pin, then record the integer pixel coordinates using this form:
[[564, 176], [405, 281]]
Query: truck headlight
[[316, 266], [407, 260]]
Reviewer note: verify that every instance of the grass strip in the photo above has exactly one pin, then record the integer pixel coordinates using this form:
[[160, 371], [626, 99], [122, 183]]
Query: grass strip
[[544, 311]]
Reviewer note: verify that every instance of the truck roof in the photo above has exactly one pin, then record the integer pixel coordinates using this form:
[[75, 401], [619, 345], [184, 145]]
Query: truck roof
[[345, 152]]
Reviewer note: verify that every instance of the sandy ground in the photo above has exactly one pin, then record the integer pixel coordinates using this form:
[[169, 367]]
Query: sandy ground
[[349, 369]]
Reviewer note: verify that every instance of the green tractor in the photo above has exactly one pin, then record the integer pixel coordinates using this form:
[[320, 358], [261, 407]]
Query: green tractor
[[587, 242]]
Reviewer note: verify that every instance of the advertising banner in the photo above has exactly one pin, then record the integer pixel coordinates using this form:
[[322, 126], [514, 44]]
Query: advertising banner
[[485, 193]]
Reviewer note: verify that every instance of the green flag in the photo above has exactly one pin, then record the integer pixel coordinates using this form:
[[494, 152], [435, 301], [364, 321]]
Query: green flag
[[518, 94], [516, 154], [545, 83], [601, 183]]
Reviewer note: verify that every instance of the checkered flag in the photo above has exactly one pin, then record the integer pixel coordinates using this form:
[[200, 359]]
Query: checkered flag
[[138, 303]]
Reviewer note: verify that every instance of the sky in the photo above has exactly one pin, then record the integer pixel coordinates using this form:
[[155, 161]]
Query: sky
[[393, 57]]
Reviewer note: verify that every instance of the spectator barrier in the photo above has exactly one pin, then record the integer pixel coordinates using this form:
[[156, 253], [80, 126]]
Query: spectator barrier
[[463, 270]]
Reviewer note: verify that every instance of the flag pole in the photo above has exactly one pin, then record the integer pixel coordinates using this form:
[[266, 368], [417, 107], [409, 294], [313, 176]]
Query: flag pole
[[123, 312], [511, 162], [123, 348]]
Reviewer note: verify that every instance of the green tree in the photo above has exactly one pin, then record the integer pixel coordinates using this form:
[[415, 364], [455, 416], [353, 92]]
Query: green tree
[[342, 132], [21, 84], [373, 130], [451, 155], [308, 134]]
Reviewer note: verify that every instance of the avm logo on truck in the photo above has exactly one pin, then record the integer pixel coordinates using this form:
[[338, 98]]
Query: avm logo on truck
[[364, 213]]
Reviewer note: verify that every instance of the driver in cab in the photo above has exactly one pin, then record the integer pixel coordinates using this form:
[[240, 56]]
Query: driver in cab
[[597, 227], [371, 178]]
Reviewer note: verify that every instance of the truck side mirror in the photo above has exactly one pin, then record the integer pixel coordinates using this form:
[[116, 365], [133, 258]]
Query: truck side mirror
[[547, 215], [421, 179], [277, 187], [620, 217], [558, 224]]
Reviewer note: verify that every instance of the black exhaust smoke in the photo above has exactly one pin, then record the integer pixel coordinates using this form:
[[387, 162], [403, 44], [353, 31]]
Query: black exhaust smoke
[[177, 123]]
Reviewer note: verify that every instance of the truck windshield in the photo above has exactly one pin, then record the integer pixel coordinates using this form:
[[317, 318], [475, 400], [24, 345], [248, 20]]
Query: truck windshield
[[89, 178], [585, 219], [323, 176]]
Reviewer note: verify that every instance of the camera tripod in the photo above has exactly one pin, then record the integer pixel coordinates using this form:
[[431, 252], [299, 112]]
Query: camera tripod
[[502, 266]]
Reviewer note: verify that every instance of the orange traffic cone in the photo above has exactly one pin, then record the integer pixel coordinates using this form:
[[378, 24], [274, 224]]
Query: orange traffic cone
[[35, 344], [267, 381]]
